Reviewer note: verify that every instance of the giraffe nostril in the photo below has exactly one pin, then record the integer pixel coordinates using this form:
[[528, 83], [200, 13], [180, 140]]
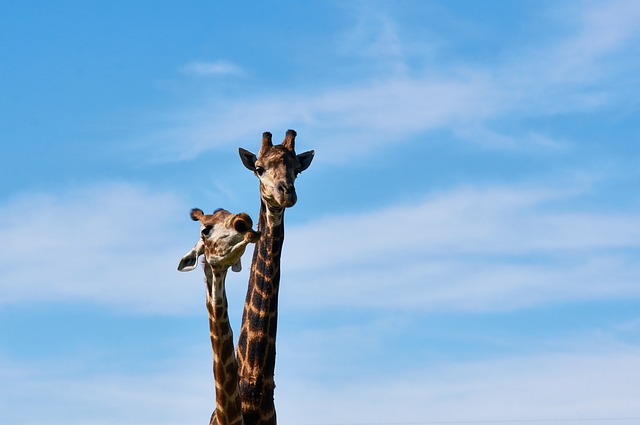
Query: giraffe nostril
[[285, 188]]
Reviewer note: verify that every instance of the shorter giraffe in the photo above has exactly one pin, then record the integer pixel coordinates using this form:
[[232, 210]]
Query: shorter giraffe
[[223, 239]]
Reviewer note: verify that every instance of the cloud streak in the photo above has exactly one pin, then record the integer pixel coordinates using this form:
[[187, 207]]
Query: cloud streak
[[36, 391], [548, 386], [478, 249], [584, 382], [564, 75], [216, 68], [467, 249], [109, 244]]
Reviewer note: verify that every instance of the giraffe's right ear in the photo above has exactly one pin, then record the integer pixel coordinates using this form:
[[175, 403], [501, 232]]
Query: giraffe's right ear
[[305, 159], [190, 260], [248, 159]]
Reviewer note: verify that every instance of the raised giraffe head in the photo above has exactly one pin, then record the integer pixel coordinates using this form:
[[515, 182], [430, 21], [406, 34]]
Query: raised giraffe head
[[223, 239], [277, 168]]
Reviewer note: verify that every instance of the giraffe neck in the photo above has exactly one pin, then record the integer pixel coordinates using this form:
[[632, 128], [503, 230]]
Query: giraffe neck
[[257, 340], [228, 409]]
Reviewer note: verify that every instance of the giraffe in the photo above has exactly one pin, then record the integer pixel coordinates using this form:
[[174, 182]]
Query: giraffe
[[223, 239], [277, 168]]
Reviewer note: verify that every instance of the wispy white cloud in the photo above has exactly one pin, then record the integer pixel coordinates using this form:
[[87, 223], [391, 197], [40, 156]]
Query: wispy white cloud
[[603, 31], [531, 141], [568, 73], [374, 36], [468, 249], [583, 381], [111, 244], [366, 115], [545, 386], [175, 394], [470, 220], [216, 68]]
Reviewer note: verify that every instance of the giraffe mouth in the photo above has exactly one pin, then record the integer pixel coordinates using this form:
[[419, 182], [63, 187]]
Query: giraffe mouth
[[278, 203], [288, 203]]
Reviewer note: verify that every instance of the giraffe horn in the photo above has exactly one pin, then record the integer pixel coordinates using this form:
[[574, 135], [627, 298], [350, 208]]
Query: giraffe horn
[[266, 143], [196, 214], [290, 140]]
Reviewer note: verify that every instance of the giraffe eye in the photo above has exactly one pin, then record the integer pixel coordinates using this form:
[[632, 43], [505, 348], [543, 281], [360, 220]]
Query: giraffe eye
[[206, 231], [259, 170]]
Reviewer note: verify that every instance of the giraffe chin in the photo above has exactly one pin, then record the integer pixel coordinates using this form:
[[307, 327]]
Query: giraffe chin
[[289, 202], [277, 205], [275, 211]]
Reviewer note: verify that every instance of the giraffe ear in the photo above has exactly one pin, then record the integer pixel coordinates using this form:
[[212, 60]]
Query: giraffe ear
[[305, 159], [237, 266], [190, 260], [248, 159]]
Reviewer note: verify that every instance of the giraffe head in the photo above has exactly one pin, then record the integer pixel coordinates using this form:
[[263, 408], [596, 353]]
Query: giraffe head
[[277, 168], [223, 239]]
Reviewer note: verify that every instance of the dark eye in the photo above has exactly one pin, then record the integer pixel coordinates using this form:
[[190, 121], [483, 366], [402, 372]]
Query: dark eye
[[259, 170], [206, 231]]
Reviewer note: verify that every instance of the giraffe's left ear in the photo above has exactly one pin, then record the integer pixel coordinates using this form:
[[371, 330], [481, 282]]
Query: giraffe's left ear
[[248, 159], [305, 159], [190, 260]]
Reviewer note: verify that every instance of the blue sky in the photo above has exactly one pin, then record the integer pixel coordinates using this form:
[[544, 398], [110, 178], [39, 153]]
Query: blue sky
[[465, 247]]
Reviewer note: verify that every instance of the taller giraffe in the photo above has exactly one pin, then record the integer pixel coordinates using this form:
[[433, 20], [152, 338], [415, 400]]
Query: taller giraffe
[[223, 239], [277, 168]]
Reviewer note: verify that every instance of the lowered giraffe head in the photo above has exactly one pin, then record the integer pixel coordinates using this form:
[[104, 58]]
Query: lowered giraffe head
[[277, 168], [223, 239]]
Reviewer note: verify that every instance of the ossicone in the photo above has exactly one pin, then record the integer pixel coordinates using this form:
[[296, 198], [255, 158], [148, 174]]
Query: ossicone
[[290, 140], [196, 214], [267, 143]]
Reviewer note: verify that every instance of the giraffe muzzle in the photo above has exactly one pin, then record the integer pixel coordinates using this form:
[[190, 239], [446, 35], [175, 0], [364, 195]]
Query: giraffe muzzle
[[288, 193]]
